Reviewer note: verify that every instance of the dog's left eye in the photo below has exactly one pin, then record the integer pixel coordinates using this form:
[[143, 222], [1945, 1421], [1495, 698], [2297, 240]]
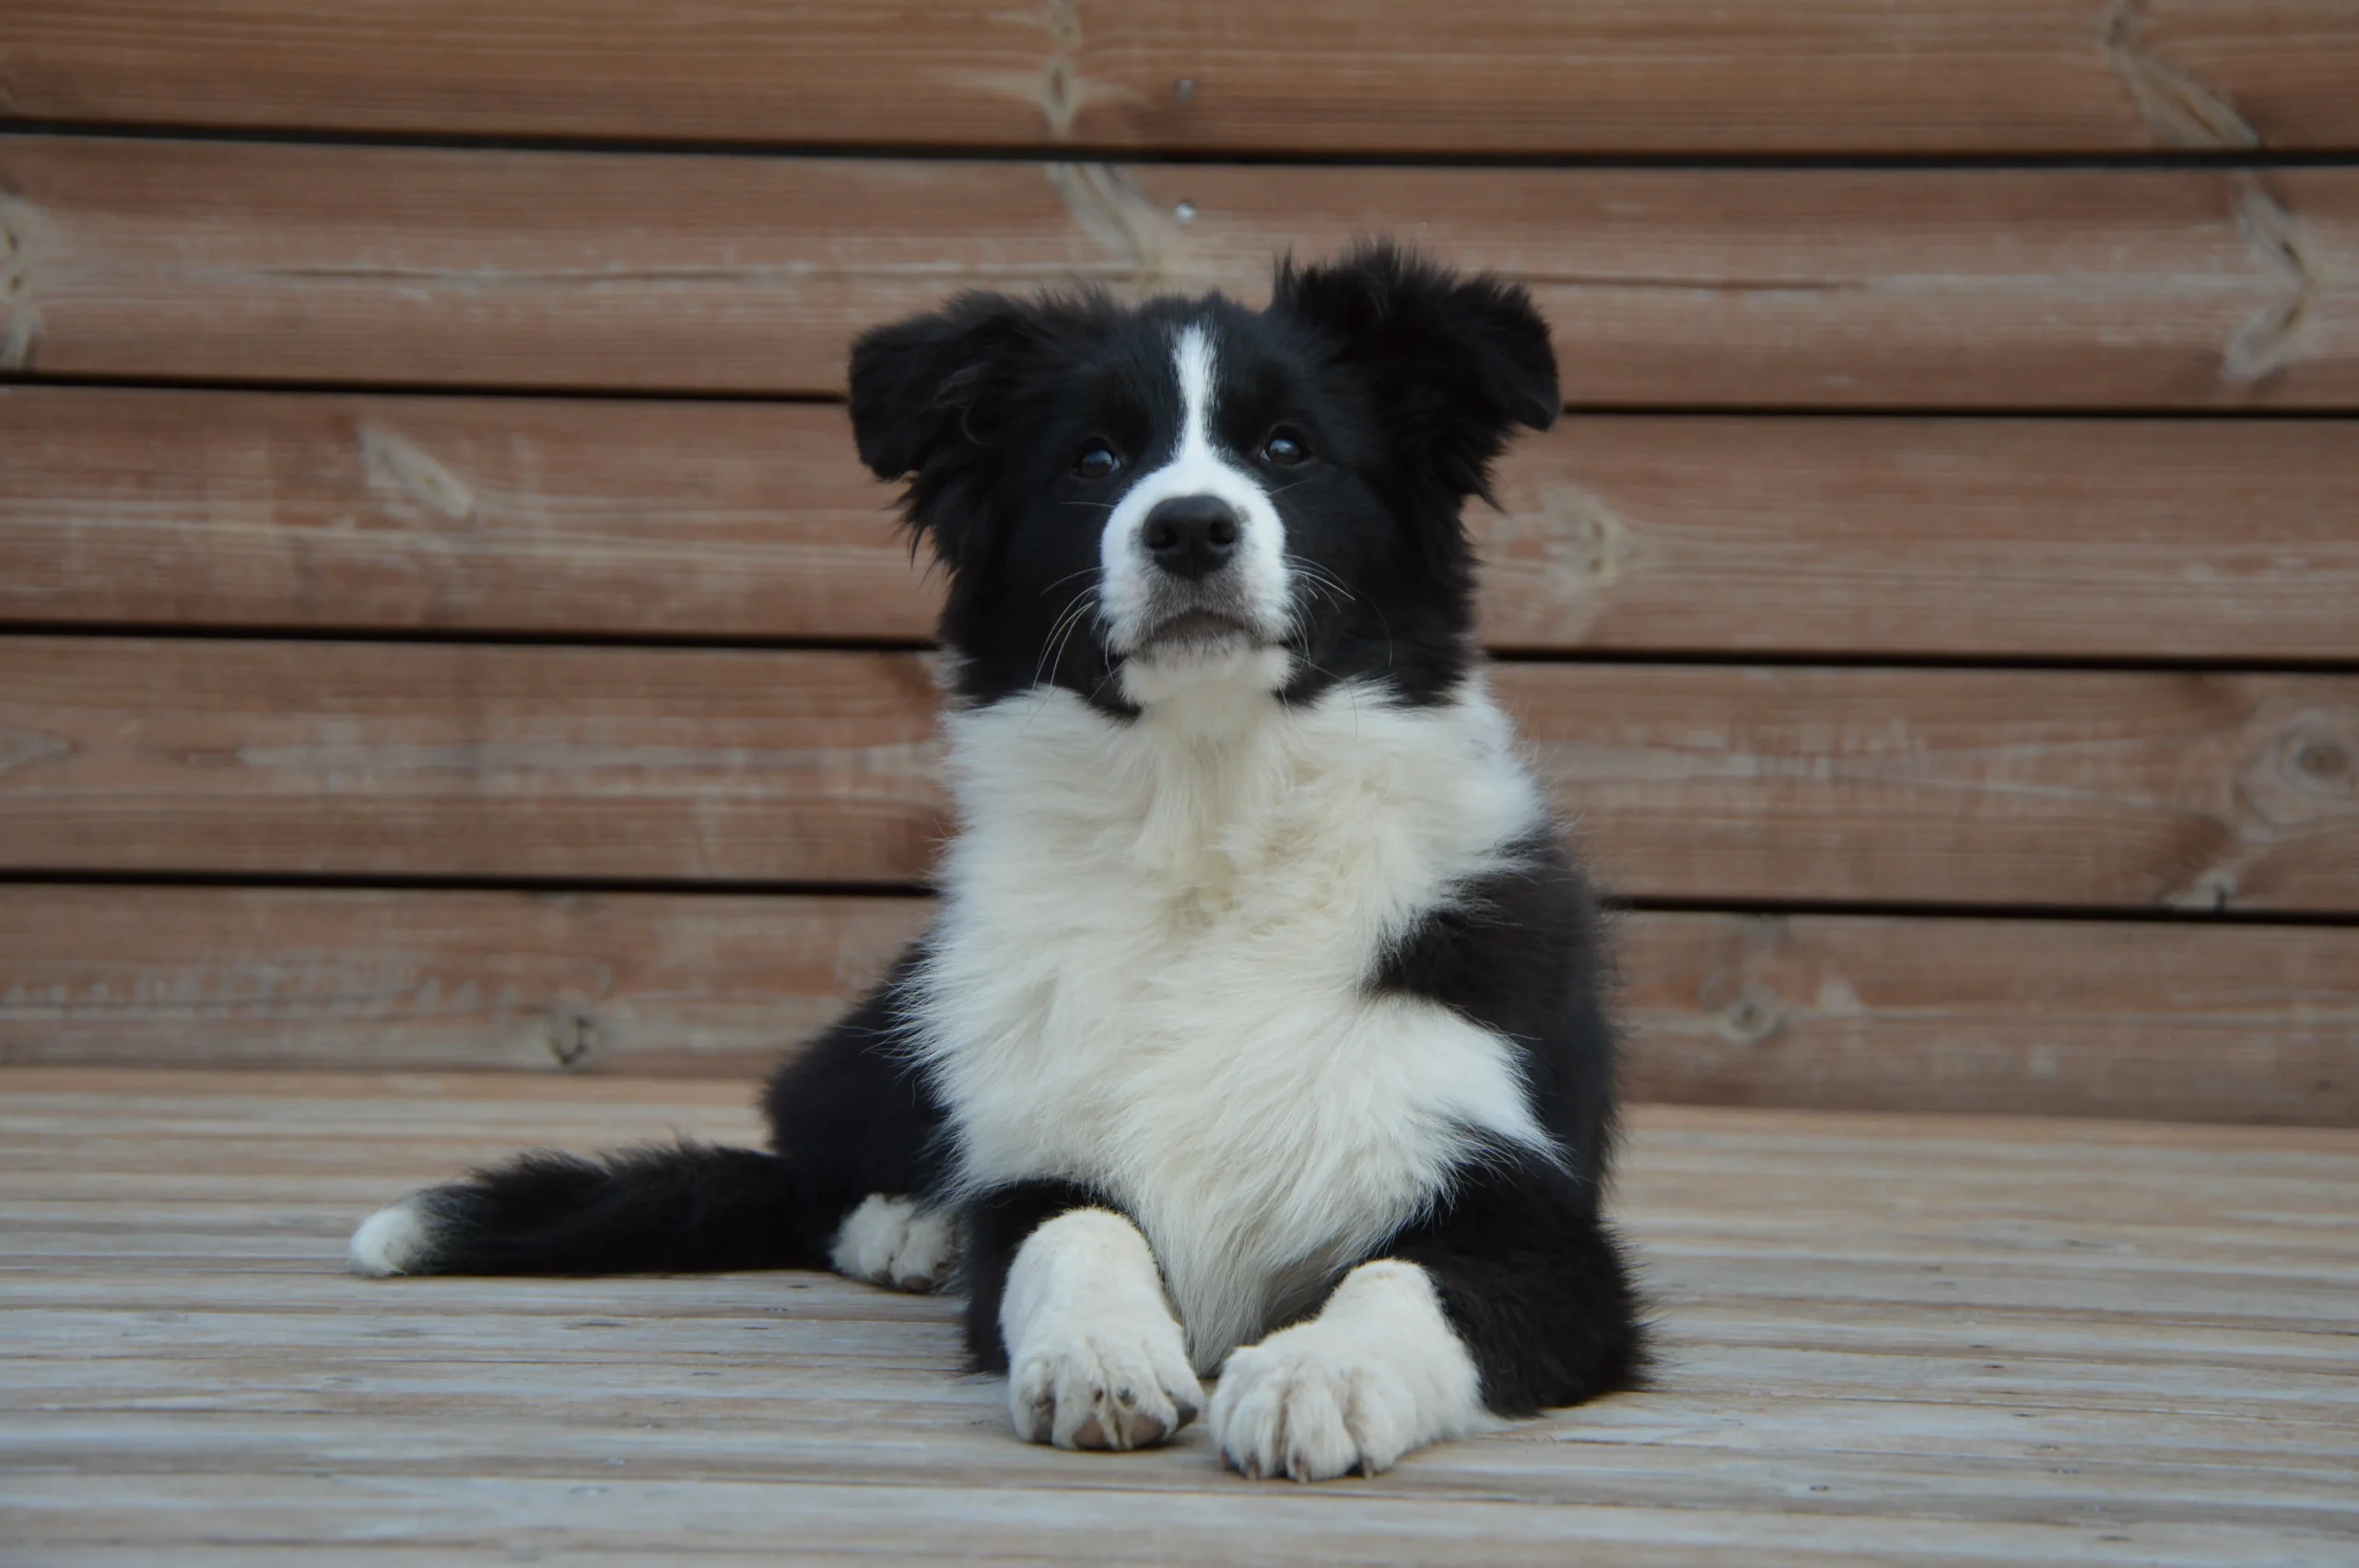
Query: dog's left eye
[[1285, 447], [1096, 460]]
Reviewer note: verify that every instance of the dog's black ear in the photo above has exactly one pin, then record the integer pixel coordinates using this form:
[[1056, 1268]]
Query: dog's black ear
[[1455, 363], [920, 386], [928, 396]]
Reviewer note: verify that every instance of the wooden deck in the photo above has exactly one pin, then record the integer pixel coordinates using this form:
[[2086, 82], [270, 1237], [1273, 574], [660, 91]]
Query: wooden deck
[[444, 623], [1884, 1339]]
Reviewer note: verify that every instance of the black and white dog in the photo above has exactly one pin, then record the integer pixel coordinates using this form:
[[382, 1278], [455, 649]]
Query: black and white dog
[[1262, 1030]]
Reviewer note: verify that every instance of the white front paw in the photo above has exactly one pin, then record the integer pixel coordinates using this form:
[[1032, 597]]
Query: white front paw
[[1378, 1372], [1095, 1359], [892, 1242], [1126, 1386], [1298, 1404]]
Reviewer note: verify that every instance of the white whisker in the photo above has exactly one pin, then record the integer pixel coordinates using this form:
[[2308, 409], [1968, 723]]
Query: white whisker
[[1067, 618]]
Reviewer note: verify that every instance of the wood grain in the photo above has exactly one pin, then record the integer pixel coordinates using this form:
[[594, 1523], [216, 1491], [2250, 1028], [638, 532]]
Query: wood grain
[[1969, 786], [2120, 538], [1884, 1339], [2071, 1018], [467, 760], [422, 980], [1950, 786], [1618, 75], [1956, 287], [2075, 1018], [2123, 538], [448, 514]]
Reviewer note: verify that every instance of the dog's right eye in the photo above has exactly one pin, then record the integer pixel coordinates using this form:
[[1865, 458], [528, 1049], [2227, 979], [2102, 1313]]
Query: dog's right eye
[[1098, 461]]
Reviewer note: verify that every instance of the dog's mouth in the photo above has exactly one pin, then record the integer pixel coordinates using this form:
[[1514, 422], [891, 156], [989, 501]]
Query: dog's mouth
[[1199, 628]]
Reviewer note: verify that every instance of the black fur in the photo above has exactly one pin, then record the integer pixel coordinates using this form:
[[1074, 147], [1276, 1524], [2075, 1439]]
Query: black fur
[[1533, 1282], [996, 1224], [687, 1207], [1528, 1273], [852, 1104], [1408, 381], [1518, 953]]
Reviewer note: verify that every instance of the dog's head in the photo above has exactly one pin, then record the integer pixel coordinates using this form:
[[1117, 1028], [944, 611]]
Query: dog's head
[[1134, 502]]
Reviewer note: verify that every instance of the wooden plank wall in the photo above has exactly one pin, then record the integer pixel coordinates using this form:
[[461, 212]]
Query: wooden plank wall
[[441, 624]]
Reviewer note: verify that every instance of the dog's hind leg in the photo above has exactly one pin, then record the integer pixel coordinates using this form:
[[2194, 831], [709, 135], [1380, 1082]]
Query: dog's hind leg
[[852, 1137], [896, 1242]]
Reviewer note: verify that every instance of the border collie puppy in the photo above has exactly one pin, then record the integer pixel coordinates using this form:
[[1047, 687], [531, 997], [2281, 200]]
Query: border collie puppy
[[1261, 1031]]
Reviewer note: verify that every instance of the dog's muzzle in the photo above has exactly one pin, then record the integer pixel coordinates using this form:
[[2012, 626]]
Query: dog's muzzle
[[1195, 596]]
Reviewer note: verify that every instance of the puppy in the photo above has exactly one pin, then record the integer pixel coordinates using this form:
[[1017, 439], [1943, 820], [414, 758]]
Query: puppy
[[1261, 1031]]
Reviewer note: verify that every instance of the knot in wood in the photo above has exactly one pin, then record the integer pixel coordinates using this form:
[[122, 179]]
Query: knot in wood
[[573, 1038], [1758, 1015], [2316, 755], [2322, 760]]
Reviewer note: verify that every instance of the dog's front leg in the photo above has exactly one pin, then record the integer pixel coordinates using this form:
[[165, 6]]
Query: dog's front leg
[[1095, 1359], [1508, 1297]]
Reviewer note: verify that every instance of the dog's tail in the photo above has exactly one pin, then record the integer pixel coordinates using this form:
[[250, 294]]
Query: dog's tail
[[689, 1207]]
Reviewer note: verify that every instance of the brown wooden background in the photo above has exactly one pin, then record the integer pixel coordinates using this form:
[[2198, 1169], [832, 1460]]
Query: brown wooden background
[[441, 623]]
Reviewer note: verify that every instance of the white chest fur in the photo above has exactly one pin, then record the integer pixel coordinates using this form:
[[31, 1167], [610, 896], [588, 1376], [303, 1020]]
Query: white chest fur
[[1151, 974]]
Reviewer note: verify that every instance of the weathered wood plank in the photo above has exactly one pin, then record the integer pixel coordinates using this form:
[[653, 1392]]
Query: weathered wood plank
[[2235, 539], [1951, 785], [2076, 1018], [465, 514], [1930, 1339], [2013, 786], [467, 759], [2079, 1018], [2111, 537], [1936, 289], [454, 1519], [1672, 76], [422, 980]]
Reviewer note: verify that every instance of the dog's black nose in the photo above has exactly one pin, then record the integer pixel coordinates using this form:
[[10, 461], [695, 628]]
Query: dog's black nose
[[1191, 536]]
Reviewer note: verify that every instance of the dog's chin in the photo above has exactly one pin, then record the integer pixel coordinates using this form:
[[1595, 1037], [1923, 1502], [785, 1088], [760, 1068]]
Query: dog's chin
[[1200, 649]]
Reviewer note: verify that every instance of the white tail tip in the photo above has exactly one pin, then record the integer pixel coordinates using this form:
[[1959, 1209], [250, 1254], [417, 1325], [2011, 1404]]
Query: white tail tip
[[391, 1241]]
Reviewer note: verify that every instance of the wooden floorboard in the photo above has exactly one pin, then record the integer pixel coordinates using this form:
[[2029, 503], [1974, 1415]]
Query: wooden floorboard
[[635, 517], [1885, 1338], [2195, 1022], [1613, 75], [1828, 288], [2082, 788]]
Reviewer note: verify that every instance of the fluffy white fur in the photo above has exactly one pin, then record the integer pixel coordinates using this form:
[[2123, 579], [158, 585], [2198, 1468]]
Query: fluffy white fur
[[891, 1241], [1151, 972], [1128, 599], [391, 1241], [1378, 1372], [1095, 1360]]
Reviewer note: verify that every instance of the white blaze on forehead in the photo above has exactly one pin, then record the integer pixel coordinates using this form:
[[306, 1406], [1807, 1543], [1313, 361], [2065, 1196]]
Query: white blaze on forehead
[[1192, 356], [1135, 595]]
